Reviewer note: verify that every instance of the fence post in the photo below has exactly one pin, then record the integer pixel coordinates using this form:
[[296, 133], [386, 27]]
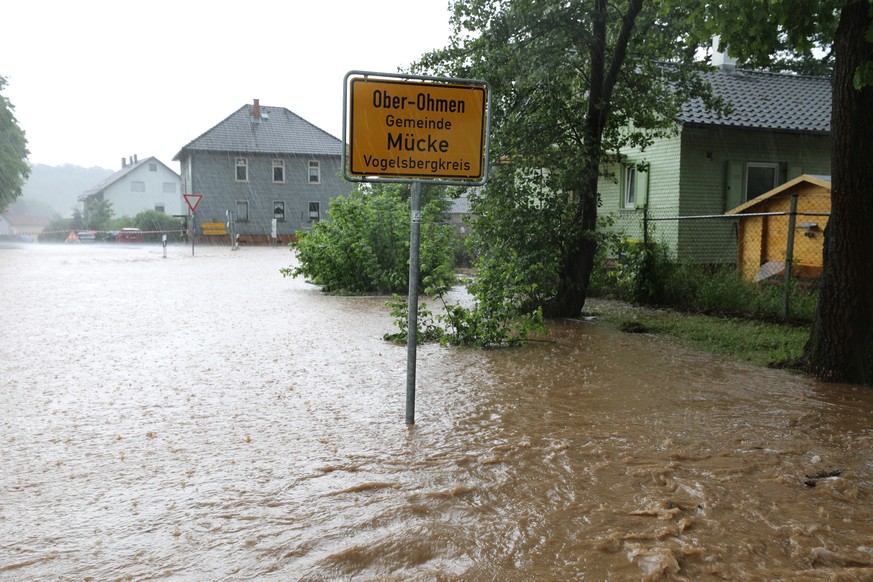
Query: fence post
[[646, 225], [789, 257]]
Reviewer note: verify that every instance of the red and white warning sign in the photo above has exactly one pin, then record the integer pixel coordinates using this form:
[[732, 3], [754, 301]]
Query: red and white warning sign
[[193, 200]]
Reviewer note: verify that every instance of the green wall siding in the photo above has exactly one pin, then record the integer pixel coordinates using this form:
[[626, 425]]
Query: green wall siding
[[663, 158], [705, 177], [701, 171], [713, 163]]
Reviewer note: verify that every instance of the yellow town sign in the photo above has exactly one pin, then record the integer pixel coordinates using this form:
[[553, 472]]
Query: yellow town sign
[[417, 130]]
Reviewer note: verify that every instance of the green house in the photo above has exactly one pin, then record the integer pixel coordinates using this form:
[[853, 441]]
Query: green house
[[778, 128]]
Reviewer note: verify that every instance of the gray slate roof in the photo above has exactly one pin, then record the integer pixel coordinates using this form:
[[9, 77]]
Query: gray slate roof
[[761, 100], [279, 131]]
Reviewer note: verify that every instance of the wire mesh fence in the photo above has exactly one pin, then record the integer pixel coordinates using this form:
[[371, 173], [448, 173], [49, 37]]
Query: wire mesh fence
[[758, 242]]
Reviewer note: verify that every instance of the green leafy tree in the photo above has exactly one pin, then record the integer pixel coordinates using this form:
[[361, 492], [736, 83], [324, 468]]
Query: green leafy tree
[[13, 153], [119, 222], [840, 348], [363, 247], [572, 82], [78, 220], [155, 224], [98, 215], [57, 230]]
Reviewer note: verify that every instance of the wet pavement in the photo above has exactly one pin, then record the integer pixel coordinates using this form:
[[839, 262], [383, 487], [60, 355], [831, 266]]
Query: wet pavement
[[203, 418]]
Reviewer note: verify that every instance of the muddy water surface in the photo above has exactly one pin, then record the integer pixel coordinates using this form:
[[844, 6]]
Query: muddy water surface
[[203, 418]]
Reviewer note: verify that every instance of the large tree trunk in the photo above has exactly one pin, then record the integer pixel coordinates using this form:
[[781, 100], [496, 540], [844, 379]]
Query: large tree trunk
[[577, 260], [840, 348], [581, 246]]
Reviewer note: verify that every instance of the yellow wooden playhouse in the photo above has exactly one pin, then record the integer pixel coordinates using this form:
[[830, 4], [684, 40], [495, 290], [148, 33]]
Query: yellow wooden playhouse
[[762, 241]]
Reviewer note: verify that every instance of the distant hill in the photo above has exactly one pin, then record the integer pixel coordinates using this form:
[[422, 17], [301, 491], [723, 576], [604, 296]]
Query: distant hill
[[60, 186]]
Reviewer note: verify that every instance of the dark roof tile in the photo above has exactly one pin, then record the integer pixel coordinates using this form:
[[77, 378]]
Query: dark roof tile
[[764, 100], [278, 131]]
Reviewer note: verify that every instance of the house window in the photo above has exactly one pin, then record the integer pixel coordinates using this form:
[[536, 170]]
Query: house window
[[314, 211], [630, 187], [314, 172], [153, 167], [278, 171], [242, 170], [169, 188], [159, 208], [137, 186], [760, 178], [279, 210], [242, 211]]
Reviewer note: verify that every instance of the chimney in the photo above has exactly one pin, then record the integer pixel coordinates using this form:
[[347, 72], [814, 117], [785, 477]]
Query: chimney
[[256, 109], [123, 162], [721, 59], [135, 158]]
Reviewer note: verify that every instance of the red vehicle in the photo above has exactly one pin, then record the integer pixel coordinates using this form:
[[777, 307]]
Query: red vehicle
[[129, 235]]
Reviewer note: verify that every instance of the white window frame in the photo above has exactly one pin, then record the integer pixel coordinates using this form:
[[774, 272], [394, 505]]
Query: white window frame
[[279, 210], [629, 188], [316, 165], [137, 186], [168, 187], [159, 207], [244, 215], [753, 165], [241, 163], [314, 216], [279, 165], [153, 167]]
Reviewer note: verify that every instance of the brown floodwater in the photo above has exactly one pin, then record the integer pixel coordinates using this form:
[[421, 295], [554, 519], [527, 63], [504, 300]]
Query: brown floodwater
[[202, 418]]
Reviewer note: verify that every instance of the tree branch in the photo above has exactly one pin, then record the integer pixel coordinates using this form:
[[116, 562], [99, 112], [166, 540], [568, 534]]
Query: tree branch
[[619, 55]]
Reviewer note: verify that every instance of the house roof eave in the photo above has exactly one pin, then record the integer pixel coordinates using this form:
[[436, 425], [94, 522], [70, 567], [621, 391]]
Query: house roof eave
[[717, 125]]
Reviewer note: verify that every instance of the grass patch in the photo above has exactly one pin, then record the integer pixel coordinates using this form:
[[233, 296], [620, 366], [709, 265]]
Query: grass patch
[[757, 342]]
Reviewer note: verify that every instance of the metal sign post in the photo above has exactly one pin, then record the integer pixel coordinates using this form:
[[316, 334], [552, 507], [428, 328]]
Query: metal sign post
[[412, 130], [412, 320], [230, 229], [193, 200]]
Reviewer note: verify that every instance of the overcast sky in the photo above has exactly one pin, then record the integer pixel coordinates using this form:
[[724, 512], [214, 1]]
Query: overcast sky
[[93, 81]]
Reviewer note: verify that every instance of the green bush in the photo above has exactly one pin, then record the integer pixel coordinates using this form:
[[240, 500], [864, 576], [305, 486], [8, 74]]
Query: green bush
[[155, 224], [641, 272], [644, 274], [363, 247], [57, 230], [428, 328]]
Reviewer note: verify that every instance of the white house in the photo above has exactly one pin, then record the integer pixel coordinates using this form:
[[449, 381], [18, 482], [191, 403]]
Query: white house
[[138, 186]]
